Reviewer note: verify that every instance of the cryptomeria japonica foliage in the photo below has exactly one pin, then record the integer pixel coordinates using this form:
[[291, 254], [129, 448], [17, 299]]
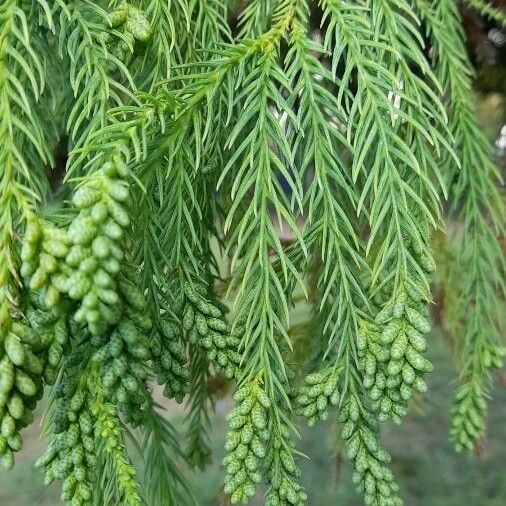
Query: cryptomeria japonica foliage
[[308, 147]]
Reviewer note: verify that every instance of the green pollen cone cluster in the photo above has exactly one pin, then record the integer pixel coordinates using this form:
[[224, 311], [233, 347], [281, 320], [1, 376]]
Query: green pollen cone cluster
[[170, 362], [207, 328], [22, 364], [132, 21], [52, 328], [123, 358], [44, 248], [469, 410], [71, 455], [283, 475], [83, 261], [108, 429], [392, 355], [246, 442], [371, 475], [319, 392]]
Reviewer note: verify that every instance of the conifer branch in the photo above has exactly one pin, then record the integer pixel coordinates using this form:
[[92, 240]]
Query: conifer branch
[[254, 19], [199, 138], [329, 228], [98, 77], [489, 11], [198, 420], [23, 152], [395, 122], [163, 481], [479, 206]]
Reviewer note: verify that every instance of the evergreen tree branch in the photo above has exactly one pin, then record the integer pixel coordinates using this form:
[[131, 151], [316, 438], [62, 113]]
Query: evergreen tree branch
[[254, 19], [23, 153], [99, 78], [163, 481], [394, 123], [489, 11], [329, 229], [479, 206], [259, 154], [286, 161]]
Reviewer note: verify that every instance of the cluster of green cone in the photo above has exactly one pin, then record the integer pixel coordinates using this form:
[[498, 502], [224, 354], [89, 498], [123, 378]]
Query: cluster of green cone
[[319, 391], [132, 21], [470, 403], [169, 360], [109, 431], [44, 247], [102, 375], [84, 428], [89, 311], [71, 455], [246, 442], [32, 353], [83, 260], [359, 430], [371, 475], [284, 474], [254, 444], [391, 355], [206, 327], [124, 353], [20, 389]]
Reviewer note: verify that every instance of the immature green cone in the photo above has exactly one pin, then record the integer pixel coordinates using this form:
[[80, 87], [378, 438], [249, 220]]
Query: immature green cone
[[318, 392], [44, 248], [50, 326], [469, 410], [124, 355], [246, 442], [284, 490], [207, 328], [109, 430], [96, 236], [133, 21], [20, 386], [392, 354], [135, 29], [169, 360], [371, 475], [70, 457], [138, 25]]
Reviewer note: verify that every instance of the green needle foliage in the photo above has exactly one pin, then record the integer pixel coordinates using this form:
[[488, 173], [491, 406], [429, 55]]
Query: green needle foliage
[[302, 147], [480, 207], [489, 11]]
